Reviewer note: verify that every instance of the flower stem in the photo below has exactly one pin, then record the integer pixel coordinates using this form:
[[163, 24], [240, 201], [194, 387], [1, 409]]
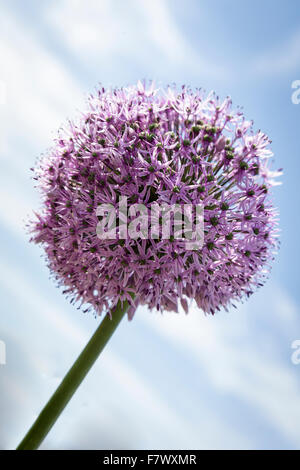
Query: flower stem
[[73, 379]]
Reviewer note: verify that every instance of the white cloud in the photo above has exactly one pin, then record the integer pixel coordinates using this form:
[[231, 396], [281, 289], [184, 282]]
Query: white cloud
[[162, 423], [2, 92], [140, 393], [253, 372], [13, 211], [284, 58], [163, 33], [40, 92], [136, 30]]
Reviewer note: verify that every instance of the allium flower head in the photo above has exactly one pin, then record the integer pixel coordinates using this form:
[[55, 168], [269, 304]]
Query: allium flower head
[[164, 146]]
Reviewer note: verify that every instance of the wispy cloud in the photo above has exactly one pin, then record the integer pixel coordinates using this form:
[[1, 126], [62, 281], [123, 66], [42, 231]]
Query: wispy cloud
[[234, 364], [118, 34], [283, 58], [119, 377], [236, 357], [39, 90]]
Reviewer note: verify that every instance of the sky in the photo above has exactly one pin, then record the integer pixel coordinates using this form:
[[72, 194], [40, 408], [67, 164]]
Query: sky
[[164, 381]]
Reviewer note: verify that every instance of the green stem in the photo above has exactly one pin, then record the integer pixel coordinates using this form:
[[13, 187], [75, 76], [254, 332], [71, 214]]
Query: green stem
[[72, 380]]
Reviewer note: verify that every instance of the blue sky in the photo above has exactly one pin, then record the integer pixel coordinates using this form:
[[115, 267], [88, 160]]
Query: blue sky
[[171, 381]]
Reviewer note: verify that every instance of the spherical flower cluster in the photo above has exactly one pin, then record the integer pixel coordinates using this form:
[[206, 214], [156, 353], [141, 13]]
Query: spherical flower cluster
[[164, 146]]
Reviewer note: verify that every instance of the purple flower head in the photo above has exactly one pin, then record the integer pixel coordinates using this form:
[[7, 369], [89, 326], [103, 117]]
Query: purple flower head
[[164, 147]]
